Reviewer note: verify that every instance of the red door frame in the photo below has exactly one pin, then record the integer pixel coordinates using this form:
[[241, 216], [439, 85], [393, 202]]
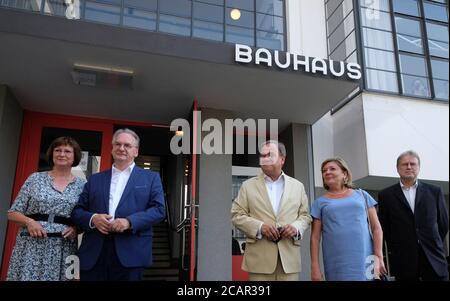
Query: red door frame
[[28, 157], [193, 255]]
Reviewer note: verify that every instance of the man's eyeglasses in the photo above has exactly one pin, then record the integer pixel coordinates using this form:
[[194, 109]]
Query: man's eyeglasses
[[125, 145]]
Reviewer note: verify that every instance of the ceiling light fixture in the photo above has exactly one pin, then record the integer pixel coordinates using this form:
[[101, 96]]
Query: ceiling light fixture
[[235, 14]]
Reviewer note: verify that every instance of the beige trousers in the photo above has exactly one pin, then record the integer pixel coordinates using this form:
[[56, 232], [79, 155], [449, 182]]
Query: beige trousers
[[278, 275]]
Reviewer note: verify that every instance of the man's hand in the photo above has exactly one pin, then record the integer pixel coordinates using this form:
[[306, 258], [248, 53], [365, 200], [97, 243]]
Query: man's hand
[[270, 231], [102, 223], [70, 233], [288, 231], [120, 225]]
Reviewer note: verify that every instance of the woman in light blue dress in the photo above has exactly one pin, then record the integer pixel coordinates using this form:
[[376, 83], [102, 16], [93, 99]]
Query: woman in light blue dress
[[340, 218]]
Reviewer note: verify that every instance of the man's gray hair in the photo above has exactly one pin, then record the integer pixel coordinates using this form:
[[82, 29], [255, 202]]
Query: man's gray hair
[[280, 145], [408, 153], [126, 131]]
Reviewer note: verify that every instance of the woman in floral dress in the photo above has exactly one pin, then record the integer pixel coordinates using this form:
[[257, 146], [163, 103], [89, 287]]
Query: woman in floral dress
[[47, 238]]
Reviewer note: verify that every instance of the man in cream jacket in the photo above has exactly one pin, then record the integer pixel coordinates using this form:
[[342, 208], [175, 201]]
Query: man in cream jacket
[[272, 210]]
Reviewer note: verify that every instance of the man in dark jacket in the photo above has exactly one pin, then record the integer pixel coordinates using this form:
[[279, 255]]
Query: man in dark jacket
[[415, 222]]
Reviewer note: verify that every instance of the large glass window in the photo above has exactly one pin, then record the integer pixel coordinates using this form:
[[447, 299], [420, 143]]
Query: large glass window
[[407, 7], [406, 51], [377, 40], [437, 39], [409, 35], [341, 30], [252, 22]]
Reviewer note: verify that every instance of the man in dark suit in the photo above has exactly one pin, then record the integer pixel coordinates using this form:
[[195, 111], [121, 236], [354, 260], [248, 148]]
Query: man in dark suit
[[116, 211], [415, 222]]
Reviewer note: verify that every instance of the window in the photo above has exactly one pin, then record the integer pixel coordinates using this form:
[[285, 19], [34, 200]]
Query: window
[[261, 22], [412, 57], [341, 37]]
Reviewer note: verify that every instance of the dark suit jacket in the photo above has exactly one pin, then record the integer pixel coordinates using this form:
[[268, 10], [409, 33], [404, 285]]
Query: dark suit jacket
[[142, 203], [404, 230]]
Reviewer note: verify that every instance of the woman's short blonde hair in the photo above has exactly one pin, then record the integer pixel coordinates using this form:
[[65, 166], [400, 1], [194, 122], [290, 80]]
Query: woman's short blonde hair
[[344, 166]]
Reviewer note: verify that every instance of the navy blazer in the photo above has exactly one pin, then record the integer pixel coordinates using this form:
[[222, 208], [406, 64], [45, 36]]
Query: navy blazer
[[142, 203], [404, 230]]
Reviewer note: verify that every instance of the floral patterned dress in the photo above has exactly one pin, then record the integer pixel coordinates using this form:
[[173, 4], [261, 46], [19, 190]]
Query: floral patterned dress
[[44, 258]]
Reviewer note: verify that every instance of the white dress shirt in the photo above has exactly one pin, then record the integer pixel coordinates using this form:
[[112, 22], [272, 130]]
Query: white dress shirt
[[119, 179], [275, 190], [410, 194]]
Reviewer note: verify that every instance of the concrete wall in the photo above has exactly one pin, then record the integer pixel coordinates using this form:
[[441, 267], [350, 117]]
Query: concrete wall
[[11, 115], [306, 32], [394, 125], [214, 223]]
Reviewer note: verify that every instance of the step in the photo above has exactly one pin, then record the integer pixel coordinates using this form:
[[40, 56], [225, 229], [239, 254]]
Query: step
[[161, 251], [161, 239], [161, 271], [160, 234], [162, 278], [161, 257], [161, 264], [160, 245]]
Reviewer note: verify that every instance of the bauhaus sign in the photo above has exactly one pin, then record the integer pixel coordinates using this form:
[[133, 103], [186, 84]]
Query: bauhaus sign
[[290, 61]]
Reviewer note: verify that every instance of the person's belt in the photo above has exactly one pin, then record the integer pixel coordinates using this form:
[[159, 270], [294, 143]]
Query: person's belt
[[56, 234], [51, 218]]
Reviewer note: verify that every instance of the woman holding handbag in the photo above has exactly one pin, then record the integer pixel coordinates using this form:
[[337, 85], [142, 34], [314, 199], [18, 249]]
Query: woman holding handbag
[[342, 217]]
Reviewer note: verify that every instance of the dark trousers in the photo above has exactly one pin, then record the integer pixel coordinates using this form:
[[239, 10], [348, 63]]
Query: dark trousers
[[426, 271], [109, 268], [423, 270]]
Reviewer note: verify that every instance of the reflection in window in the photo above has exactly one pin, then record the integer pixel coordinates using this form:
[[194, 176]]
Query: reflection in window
[[208, 30], [441, 89], [380, 59], [196, 18], [377, 39], [240, 35], [414, 65], [407, 7], [139, 18], [246, 19], [269, 40], [208, 12], [175, 25], [381, 80], [270, 7], [55, 7], [244, 4], [147, 4], [383, 20], [102, 12], [269, 23], [181, 8], [415, 86], [435, 12]]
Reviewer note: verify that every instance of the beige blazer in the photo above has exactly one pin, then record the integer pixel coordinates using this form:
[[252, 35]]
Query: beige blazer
[[253, 207]]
